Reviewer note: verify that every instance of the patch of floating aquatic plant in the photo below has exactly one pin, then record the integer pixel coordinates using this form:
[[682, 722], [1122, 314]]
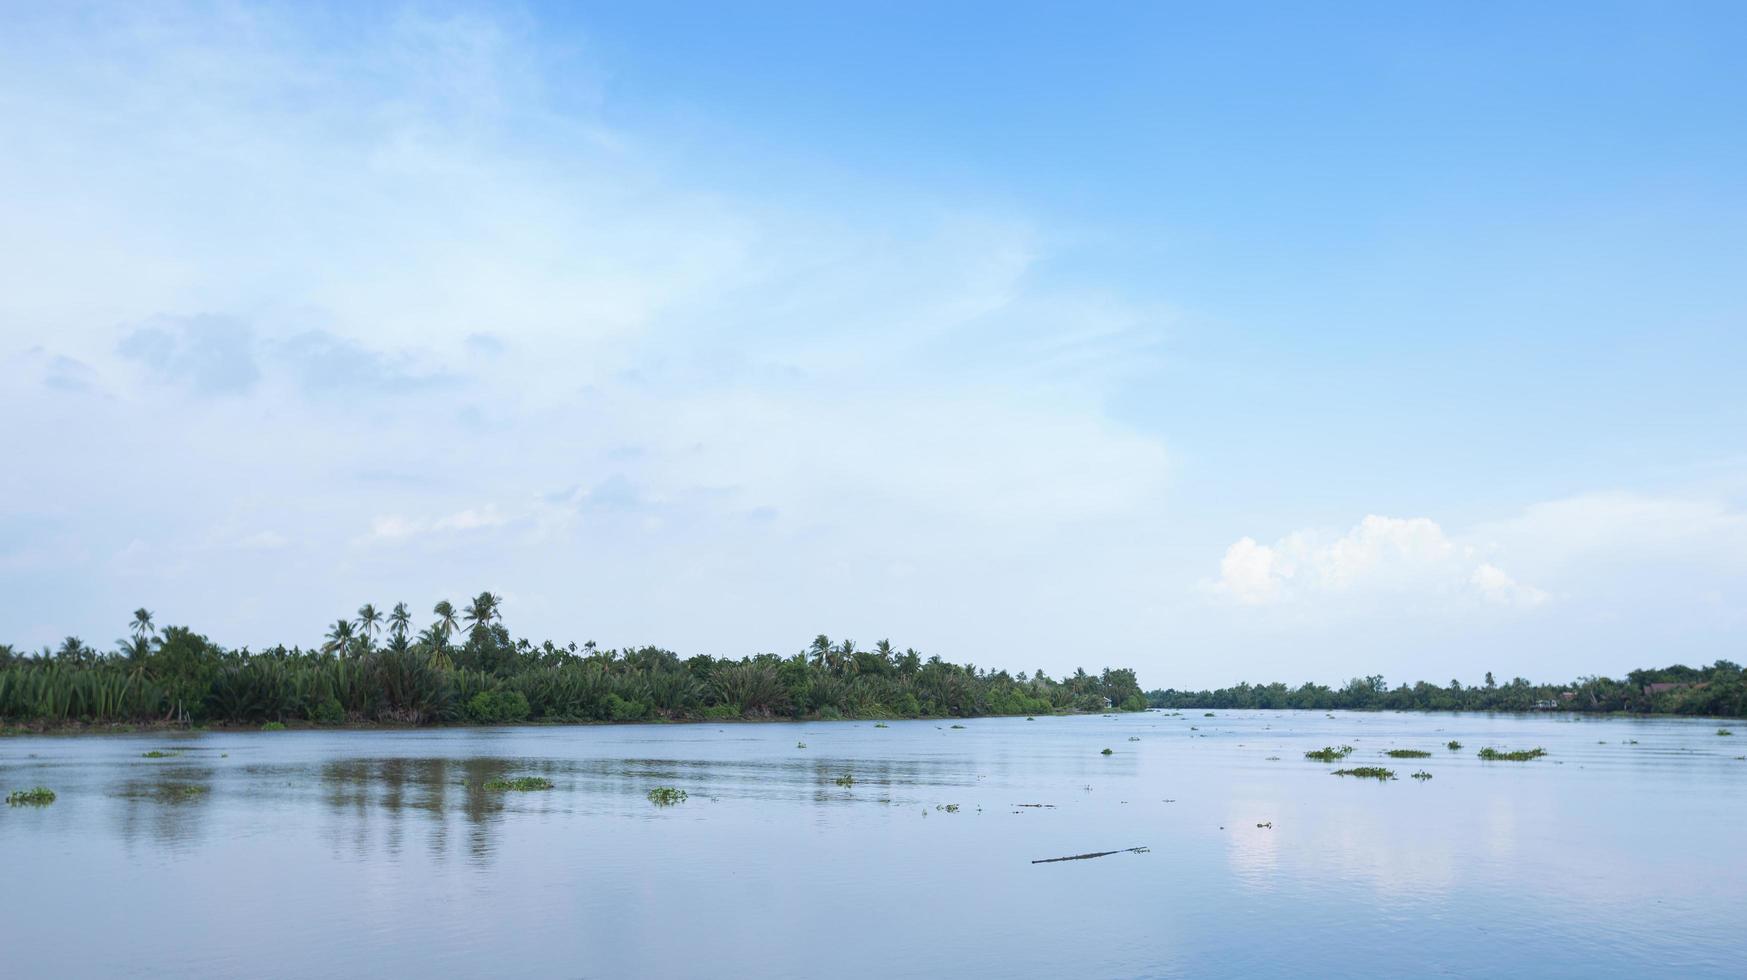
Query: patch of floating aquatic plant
[[1265, 826], [1093, 854], [666, 796], [1408, 754], [800, 745], [1108, 752], [881, 724], [1453, 745], [948, 807], [1207, 714], [1329, 753], [273, 726], [1724, 731], [159, 754], [40, 796], [1422, 775], [1273, 758], [1367, 772], [1031, 719], [958, 726], [847, 779], [520, 784], [1631, 741], [1037, 806], [1491, 754], [1134, 738]]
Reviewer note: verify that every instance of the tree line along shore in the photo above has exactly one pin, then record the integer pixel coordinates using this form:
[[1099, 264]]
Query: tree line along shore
[[1719, 690], [464, 667]]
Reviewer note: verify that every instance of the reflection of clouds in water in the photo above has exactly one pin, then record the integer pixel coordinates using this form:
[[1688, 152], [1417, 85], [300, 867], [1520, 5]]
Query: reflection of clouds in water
[[1501, 829], [1252, 852], [1379, 847]]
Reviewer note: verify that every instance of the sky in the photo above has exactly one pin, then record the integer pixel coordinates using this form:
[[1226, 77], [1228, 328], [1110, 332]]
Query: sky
[[1231, 342]]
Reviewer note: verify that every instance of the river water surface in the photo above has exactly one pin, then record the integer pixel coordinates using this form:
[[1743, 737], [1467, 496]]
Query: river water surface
[[1622, 853]]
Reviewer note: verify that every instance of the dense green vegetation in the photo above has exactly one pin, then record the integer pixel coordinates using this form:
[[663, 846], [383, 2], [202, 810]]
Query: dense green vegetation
[[666, 796], [520, 784], [40, 796], [1329, 753], [1491, 754], [464, 667], [1718, 690], [1368, 772]]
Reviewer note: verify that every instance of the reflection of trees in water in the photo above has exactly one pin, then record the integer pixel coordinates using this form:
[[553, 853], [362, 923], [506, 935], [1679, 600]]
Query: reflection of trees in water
[[380, 794], [168, 807], [374, 799]]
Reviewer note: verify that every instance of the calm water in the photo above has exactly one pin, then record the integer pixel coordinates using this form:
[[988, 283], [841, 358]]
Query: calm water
[[305, 854]]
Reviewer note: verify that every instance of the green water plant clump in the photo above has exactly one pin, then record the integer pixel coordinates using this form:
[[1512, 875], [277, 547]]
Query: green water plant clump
[[40, 796], [273, 726], [1724, 731], [1329, 753], [666, 796], [1107, 752], [1408, 754], [1422, 775], [158, 754], [1368, 772], [521, 784], [1453, 745], [1491, 754], [881, 724], [847, 779], [958, 726]]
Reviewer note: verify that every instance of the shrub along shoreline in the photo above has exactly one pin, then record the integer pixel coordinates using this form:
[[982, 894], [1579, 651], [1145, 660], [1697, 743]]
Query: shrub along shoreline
[[465, 668]]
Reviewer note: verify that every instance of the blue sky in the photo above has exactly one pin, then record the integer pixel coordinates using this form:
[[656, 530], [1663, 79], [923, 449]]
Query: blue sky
[[1231, 342]]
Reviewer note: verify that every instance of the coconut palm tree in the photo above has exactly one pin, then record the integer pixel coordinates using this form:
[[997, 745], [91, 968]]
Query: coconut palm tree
[[400, 620], [481, 612], [437, 642], [339, 638], [142, 623], [369, 621], [446, 623]]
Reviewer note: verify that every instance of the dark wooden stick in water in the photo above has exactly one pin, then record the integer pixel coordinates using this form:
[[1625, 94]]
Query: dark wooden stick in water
[[1094, 854]]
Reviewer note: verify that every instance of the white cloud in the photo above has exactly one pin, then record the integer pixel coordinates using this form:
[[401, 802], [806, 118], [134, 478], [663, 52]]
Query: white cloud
[[264, 541], [1402, 559], [471, 519]]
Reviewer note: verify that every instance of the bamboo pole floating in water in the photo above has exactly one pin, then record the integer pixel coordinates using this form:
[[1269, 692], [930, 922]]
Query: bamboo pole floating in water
[[1094, 854]]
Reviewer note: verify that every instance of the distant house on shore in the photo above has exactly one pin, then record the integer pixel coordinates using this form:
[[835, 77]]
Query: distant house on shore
[[1546, 704]]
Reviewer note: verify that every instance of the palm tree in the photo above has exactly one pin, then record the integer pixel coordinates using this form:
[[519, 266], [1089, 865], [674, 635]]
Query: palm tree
[[400, 620], [820, 648], [436, 641], [74, 650], [142, 623], [481, 612], [339, 638], [369, 621], [446, 622]]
